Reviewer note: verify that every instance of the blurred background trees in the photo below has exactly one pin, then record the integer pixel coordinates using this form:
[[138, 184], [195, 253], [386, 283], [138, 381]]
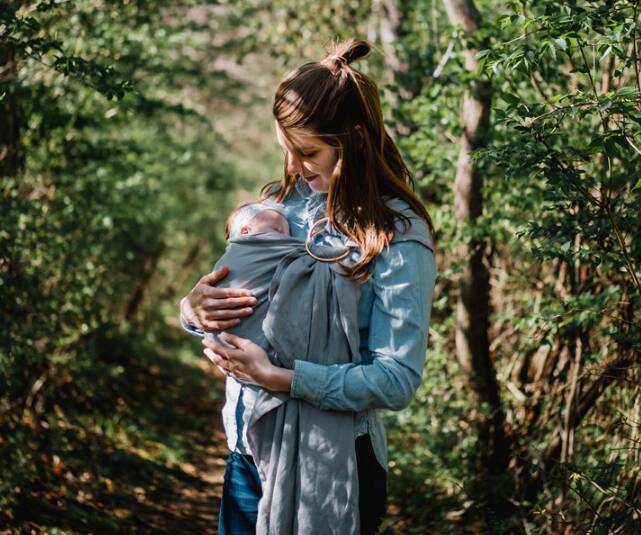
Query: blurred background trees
[[127, 131]]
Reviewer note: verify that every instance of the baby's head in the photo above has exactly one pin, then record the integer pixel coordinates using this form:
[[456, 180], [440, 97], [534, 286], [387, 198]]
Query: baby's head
[[256, 217]]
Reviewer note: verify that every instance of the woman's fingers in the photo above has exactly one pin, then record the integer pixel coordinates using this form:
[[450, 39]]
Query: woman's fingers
[[215, 276], [228, 302], [205, 298], [218, 360], [215, 358], [226, 366], [234, 340], [233, 313], [221, 293], [220, 325], [224, 352], [210, 292]]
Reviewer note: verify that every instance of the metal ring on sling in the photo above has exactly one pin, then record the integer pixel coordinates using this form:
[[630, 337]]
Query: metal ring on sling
[[320, 258]]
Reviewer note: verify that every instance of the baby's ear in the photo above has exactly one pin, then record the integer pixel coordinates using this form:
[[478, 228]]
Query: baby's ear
[[244, 230]]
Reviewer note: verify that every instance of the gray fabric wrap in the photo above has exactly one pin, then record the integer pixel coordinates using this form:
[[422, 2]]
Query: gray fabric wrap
[[308, 310]]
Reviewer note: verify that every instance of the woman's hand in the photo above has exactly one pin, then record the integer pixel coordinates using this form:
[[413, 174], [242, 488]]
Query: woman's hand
[[247, 362], [215, 309]]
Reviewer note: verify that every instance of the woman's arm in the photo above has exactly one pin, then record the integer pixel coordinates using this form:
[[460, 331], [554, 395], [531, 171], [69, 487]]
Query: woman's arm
[[403, 278]]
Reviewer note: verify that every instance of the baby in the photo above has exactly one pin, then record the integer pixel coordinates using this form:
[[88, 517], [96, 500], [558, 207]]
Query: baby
[[256, 218], [250, 219]]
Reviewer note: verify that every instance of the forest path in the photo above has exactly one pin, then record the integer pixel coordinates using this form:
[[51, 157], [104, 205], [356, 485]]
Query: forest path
[[191, 504], [146, 454]]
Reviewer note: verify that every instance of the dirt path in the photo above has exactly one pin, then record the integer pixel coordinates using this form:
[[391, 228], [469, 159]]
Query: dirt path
[[146, 455], [192, 505]]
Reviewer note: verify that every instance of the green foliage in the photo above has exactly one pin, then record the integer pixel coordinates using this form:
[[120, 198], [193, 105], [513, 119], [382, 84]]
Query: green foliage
[[431, 446], [121, 182], [561, 217], [110, 217]]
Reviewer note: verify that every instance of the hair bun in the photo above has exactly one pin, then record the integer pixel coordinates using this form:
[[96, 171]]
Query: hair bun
[[341, 53]]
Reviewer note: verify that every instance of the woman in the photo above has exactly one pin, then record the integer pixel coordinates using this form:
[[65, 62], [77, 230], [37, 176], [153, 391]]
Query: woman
[[341, 163]]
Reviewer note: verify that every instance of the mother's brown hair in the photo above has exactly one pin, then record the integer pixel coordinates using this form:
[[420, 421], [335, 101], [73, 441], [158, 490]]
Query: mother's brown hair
[[341, 105]]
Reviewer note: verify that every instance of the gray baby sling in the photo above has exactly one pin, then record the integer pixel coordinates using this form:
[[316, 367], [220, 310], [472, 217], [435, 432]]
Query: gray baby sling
[[306, 309]]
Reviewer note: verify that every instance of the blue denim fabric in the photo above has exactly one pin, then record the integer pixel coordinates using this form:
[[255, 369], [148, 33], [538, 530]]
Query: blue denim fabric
[[241, 493], [393, 315]]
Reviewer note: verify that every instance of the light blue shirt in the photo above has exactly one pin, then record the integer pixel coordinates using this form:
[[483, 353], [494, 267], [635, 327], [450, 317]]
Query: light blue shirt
[[393, 316]]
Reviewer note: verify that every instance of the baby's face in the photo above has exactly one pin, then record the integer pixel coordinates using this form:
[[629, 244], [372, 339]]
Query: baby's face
[[267, 221]]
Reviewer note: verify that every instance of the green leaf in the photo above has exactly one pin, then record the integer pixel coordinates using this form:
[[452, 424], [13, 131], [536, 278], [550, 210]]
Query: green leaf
[[512, 100]]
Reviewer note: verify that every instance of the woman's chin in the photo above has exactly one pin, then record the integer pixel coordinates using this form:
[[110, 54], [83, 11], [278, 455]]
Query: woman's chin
[[318, 186], [319, 190]]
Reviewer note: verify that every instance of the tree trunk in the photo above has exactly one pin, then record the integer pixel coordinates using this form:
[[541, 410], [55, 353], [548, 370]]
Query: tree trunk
[[9, 131], [390, 17], [473, 307], [149, 268]]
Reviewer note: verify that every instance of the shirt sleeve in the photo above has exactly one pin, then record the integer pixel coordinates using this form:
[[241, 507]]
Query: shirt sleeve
[[403, 281], [191, 329]]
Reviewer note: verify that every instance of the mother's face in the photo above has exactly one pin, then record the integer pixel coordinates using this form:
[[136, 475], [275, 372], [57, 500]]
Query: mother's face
[[309, 156]]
